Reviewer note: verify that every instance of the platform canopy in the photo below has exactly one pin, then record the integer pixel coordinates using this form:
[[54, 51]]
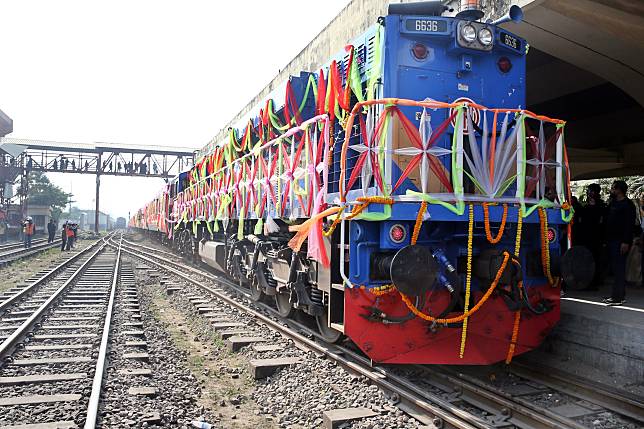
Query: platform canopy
[[586, 66], [6, 124]]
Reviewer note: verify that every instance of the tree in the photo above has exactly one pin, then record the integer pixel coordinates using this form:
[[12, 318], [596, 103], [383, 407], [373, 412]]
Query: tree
[[42, 192]]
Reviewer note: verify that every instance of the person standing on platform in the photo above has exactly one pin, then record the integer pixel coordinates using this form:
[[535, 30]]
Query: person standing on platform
[[63, 236], [593, 218], [641, 209], [28, 230], [51, 229], [620, 221]]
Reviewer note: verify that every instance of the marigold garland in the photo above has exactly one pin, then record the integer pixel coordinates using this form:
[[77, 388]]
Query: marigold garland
[[545, 246], [517, 241], [461, 317], [517, 314], [515, 334], [468, 279], [380, 290], [336, 221], [419, 222], [488, 232], [364, 203]]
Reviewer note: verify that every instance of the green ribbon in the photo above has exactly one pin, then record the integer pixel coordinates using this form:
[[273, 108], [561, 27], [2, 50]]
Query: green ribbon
[[376, 66], [354, 79], [224, 201], [259, 226], [375, 216]]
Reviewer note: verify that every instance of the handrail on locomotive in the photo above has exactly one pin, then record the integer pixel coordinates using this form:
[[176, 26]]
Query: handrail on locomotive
[[300, 178]]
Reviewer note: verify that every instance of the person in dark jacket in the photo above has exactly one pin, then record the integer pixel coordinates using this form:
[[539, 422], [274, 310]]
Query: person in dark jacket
[[620, 222], [63, 236], [593, 219], [51, 229]]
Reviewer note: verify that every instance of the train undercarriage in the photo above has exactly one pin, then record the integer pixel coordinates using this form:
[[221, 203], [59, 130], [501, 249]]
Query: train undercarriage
[[269, 269]]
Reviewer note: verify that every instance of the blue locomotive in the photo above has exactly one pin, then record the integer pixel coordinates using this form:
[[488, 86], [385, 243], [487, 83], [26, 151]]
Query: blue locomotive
[[402, 195]]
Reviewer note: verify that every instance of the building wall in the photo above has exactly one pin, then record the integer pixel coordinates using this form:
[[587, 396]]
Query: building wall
[[354, 19]]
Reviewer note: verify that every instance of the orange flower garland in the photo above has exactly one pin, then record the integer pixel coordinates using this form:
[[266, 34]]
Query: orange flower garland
[[545, 246], [468, 278], [515, 335], [517, 241], [419, 222], [336, 221], [488, 233], [381, 290], [468, 313]]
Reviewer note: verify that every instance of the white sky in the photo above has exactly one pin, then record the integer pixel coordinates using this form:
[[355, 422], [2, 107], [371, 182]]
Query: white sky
[[142, 72]]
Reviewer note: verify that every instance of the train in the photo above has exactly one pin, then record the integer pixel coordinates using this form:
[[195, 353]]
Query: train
[[401, 196]]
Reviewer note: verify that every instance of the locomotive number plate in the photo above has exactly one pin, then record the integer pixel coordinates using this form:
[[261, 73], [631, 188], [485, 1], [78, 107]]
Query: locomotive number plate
[[426, 25], [510, 41]]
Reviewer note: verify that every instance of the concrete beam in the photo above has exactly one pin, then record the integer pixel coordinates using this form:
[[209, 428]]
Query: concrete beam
[[597, 37]]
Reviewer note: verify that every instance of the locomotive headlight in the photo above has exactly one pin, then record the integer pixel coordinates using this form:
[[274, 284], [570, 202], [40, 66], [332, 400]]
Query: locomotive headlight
[[468, 32], [485, 36]]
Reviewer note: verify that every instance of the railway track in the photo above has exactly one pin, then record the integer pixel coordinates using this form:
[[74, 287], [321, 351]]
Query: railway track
[[19, 244], [444, 396], [14, 252], [55, 334]]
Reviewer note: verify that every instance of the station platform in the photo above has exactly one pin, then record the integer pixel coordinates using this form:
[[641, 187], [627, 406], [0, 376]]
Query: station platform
[[600, 343]]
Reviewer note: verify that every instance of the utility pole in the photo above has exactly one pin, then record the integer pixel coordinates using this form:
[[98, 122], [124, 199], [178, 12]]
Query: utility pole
[[24, 189], [99, 169]]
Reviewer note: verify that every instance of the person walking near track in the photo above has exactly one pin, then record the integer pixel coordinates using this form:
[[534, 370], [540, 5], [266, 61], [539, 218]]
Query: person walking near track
[[70, 236], [51, 229], [63, 236], [28, 231]]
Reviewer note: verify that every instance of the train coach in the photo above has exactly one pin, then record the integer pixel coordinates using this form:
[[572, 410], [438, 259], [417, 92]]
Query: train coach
[[402, 195]]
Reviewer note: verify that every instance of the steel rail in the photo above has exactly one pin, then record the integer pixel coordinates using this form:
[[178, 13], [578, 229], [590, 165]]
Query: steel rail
[[11, 256], [454, 417], [513, 410], [97, 384], [9, 344], [129, 243], [630, 406], [19, 244], [517, 411], [9, 301]]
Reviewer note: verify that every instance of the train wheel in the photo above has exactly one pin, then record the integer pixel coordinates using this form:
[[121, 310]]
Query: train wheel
[[283, 302], [329, 335], [256, 293]]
